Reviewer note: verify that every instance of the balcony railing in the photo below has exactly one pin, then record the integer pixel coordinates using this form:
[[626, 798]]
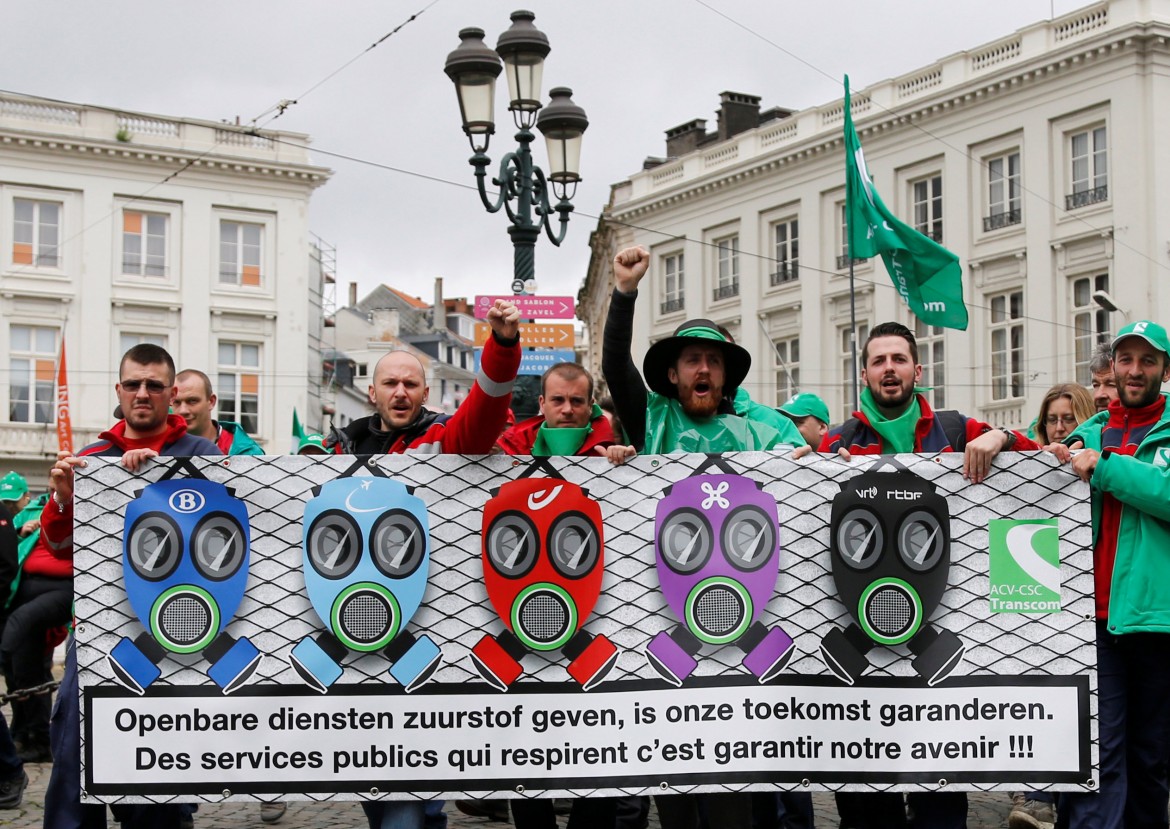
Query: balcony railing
[[727, 291], [787, 272], [669, 306], [843, 261], [1002, 219], [1086, 197]]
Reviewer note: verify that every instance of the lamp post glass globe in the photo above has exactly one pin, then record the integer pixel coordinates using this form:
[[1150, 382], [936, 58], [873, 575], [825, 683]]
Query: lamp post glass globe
[[474, 67], [523, 48]]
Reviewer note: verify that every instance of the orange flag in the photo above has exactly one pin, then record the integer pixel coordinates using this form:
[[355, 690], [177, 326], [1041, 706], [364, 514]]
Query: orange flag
[[64, 425]]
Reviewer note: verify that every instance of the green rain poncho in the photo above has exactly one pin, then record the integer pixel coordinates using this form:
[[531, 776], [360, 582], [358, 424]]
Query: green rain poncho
[[669, 429]]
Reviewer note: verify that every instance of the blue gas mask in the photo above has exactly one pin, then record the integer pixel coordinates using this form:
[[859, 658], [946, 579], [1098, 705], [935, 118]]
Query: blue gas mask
[[366, 558], [185, 550]]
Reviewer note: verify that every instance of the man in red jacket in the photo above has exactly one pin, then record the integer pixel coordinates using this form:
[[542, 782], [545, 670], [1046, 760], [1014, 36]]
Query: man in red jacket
[[569, 423], [894, 418], [399, 390], [145, 389]]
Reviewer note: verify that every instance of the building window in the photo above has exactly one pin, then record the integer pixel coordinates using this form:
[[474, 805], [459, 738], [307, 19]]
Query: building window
[[787, 238], [843, 257], [128, 341], [1090, 323], [144, 243], [787, 356], [36, 233], [240, 253], [931, 354], [848, 370], [238, 384], [32, 363], [727, 267], [1007, 345], [928, 207], [1090, 168], [1003, 192], [673, 272]]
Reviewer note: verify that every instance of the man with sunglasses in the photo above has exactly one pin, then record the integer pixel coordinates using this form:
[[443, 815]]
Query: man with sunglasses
[[145, 388]]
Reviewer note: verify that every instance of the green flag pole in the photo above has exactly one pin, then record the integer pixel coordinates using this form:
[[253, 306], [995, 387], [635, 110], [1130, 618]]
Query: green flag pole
[[926, 275]]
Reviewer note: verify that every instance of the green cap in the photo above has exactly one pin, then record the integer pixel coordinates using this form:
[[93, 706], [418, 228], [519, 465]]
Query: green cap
[[805, 404], [1151, 332], [13, 487], [312, 444]]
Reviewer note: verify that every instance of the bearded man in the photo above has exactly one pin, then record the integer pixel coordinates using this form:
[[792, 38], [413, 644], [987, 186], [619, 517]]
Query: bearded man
[[693, 378]]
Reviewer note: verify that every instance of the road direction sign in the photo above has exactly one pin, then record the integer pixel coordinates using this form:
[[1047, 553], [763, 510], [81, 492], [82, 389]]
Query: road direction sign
[[536, 334], [531, 307], [536, 362]]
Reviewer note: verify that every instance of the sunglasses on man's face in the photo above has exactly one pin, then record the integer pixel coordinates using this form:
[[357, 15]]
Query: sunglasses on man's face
[[152, 386]]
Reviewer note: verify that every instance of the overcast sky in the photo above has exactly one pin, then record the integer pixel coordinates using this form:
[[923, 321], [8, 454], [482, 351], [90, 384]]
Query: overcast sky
[[637, 67]]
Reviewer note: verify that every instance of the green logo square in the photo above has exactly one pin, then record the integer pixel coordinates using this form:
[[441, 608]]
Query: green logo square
[[1024, 565]]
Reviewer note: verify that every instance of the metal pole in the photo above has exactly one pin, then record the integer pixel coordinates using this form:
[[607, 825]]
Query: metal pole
[[853, 331]]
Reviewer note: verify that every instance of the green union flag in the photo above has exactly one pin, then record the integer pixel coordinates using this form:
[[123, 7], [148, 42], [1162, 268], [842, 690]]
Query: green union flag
[[926, 275]]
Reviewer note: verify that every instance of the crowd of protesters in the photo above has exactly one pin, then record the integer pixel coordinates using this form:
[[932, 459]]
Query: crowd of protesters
[[1115, 435]]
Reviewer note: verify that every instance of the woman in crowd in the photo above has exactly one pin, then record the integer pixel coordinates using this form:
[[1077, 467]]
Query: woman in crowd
[[1065, 406]]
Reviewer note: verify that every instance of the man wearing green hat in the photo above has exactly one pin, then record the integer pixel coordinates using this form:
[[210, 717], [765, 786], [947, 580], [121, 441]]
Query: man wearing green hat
[[30, 716], [311, 444], [1126, 461], [693, 377], [810, 414], [569, 423]]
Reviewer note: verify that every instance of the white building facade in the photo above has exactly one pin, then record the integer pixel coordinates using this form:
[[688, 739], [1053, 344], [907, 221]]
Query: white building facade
[[118, 228], [1040, 159]]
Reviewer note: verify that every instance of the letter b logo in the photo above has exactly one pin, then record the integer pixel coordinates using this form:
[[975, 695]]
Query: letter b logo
[[186, 500]]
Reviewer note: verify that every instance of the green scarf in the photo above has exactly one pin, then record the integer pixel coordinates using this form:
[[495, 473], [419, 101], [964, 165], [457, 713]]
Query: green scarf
[[897, 433], [669, 429], [563, 441]]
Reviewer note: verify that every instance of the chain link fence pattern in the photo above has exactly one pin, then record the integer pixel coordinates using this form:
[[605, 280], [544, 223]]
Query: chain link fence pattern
[[276, 614]]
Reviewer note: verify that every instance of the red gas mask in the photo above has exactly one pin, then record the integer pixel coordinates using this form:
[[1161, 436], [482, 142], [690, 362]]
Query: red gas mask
[[543, 564]]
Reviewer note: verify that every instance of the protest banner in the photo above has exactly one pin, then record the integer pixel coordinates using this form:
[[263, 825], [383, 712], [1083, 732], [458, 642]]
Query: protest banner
[[443, 626]]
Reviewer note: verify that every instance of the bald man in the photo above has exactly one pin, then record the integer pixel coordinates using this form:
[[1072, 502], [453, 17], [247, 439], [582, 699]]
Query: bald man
[[399, 389]]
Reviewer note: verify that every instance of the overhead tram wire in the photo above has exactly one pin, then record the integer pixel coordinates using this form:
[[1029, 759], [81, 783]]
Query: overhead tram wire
[[884, 284], [282, 106], [1023, 189]]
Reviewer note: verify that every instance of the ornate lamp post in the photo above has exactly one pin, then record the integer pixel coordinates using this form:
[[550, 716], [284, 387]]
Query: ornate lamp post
[[524, 188]]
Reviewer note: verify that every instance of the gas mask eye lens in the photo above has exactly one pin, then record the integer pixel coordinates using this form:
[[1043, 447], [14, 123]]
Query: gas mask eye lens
[[860, 539], [218, 547], [155, 546], [398, 543], [573, 545], [512, 544], [335, 544], [920, 540], [685, 541], [749, 538]]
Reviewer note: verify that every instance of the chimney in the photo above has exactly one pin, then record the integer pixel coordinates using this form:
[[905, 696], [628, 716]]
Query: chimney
[[352, 294], [737, 113], [439, 313], [684, 138]]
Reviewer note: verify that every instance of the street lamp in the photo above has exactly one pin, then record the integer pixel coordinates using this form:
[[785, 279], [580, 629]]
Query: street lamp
[[523, 187]]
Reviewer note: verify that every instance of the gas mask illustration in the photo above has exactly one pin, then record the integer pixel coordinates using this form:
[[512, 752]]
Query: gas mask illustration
[[717, 551], [185, 551], [889, 542], [542, 565], [367, 553]]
